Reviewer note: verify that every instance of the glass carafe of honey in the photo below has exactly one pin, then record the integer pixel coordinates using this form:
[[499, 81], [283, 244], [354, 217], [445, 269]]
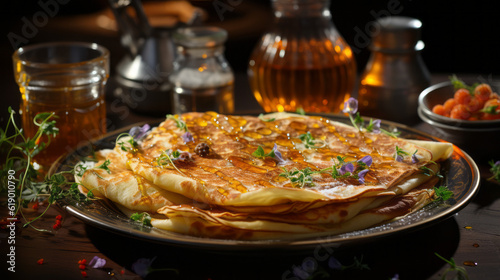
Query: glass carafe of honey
[[302, 61]]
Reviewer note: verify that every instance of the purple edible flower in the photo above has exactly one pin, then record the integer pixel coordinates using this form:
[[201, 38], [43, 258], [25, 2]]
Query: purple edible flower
[[366, 160], [414, 158], [97, 262], [300, 273], [361, 175], [399, 158], [138, 132], [142, 266], [187, 137], [351, 106], [348, 167], [309, 265], [277, 154], [376, 126], [334, 264]]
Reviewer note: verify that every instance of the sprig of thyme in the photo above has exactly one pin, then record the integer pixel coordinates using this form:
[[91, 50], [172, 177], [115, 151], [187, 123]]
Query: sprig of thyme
[[458, 84], [261, 117], [178, 123], [144, 218], [460, 272], [129, 145], [310, 142], [19, 151], [351, 108], [299, 178], [442, 193], [495, 170]]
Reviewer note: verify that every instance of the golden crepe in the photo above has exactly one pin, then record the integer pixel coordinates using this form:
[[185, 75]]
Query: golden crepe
[[283, 176]]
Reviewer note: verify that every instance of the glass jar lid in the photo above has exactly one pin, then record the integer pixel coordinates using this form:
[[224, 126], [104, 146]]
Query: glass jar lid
[[200, 36]]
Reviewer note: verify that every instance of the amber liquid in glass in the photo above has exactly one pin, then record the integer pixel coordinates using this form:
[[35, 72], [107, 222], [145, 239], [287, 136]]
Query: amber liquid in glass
[[317, 80], [80, 110]]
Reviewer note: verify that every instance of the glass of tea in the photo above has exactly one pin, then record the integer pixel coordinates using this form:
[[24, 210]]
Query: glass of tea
[[68, 79]]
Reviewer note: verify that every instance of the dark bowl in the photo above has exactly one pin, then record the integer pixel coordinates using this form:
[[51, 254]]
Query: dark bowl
[[481, 138], [438, 94]]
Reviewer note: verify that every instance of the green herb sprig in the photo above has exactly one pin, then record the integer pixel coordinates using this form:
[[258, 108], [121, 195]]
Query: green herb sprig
[[460, 272], [129, 145], [495, 170], [260, 153], [458, 84], [299, 178], [19, 151], [261, 117], [144, 218], [443, 193], [178, 123], [310, 142]]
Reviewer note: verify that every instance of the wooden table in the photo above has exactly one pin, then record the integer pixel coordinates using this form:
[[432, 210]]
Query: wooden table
[[470, 237]]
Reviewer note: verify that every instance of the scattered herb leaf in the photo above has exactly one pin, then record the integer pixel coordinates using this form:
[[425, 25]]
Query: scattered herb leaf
[[144, 218], [443, 193], [460, 272]]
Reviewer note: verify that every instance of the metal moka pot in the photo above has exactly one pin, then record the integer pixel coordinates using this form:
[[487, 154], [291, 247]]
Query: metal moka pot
[[142, 76]]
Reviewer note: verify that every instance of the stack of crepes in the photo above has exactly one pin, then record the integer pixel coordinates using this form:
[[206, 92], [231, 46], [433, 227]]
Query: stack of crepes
[[279, 176]]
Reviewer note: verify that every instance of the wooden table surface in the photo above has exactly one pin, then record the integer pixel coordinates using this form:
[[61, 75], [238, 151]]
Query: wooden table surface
[[470, 237]]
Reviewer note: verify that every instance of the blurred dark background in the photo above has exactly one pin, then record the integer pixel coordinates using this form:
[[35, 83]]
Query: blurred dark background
[[459, 36]]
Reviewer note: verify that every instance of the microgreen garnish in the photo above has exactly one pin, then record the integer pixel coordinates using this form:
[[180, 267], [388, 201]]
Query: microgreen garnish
[[80, 169], [443, 193], [168, 157], [373, 126], [353, 169], [495, 170], [310, 142], [299, 178], [178, 123], [460, 272], [300, 111], [144, 218], [274, 153], [135, 134], [341, 170], [458, 84], [18, 169], [105, 165], [261, 117], [492, 110], [129, 145], [400, 154], [429, 172], [351, 108]]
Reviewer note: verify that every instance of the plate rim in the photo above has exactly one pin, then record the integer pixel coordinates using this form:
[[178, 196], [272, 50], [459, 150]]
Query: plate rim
[[177, 239]]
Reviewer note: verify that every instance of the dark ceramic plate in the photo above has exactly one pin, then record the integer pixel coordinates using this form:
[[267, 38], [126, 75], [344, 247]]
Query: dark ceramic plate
[[461, 175]]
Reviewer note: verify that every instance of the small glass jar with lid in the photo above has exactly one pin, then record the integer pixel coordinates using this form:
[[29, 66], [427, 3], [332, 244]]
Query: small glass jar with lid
[[202, 78]]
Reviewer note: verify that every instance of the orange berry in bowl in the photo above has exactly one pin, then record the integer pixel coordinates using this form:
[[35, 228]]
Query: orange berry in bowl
[[460, 112], [483, 92], [475, 104], [462, 96], [449, 104], [439, 109]]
